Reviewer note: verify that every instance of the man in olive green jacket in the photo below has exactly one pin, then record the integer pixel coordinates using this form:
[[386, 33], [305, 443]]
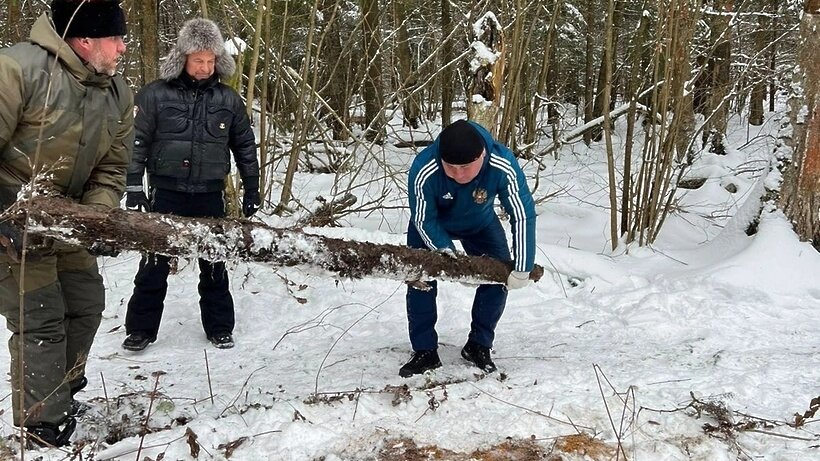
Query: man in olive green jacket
[[66, 124]]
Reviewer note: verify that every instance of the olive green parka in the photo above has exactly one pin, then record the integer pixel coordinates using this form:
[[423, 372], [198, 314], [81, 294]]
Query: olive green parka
[[62, 119]]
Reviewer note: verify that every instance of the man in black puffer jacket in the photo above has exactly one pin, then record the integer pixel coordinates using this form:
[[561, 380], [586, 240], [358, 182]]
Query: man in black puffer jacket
[[187, 123]]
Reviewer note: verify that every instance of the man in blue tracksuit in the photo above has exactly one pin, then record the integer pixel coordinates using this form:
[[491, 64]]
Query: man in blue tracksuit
[[452, 186]]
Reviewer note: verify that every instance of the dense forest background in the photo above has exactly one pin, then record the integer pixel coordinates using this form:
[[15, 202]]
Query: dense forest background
[[323, 80], [698, 116]]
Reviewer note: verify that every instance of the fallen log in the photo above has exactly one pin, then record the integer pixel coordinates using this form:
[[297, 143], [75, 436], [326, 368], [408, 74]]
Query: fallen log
[[243, 240]]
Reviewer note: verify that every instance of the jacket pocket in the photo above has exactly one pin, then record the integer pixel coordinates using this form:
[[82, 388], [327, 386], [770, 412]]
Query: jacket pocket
[[108, 134], [173, 118], [172, 159], [218, 124], [215, 165]]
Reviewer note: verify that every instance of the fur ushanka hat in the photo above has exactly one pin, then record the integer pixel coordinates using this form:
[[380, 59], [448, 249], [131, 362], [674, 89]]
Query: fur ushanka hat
[[197, 34]]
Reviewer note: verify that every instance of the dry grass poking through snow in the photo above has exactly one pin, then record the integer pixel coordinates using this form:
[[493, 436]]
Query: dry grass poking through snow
[[568, 448], [582, 445]]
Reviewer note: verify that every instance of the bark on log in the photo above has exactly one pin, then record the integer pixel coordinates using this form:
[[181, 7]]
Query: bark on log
[[233, 240]]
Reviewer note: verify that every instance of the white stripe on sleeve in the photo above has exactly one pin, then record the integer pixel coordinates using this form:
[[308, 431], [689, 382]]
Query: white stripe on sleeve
[[519, 213], [424, 174]]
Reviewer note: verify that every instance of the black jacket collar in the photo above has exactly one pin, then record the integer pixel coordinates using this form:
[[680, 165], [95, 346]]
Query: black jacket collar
[[186, 81]]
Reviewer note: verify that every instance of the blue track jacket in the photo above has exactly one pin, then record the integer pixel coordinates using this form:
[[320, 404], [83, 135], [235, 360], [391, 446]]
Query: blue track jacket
[[441, 209]]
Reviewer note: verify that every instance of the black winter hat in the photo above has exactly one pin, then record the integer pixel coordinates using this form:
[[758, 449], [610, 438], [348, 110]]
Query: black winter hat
[[460, 143], [93, 18]]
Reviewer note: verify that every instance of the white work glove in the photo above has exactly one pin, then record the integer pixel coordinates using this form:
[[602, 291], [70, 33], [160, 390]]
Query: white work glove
[[518, 279], [449, 252]]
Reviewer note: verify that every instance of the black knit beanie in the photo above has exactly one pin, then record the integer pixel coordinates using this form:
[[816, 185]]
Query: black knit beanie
[[93, 18], [460, 143]]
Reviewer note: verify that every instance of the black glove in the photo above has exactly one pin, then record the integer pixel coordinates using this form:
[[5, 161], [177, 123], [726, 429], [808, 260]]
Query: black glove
[[251, 202], [137, 201], [103, 249], [11, 239]]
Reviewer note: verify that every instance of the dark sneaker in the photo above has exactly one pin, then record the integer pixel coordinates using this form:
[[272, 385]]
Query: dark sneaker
[[479, 356], [50, 435], [138, 341], [222, 340], [419, 363]]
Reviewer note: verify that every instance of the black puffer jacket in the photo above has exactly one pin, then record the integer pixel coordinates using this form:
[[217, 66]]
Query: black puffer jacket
[[185, 131]]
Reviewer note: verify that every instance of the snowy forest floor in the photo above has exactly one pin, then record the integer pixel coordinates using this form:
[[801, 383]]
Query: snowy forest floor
[[702, 346]]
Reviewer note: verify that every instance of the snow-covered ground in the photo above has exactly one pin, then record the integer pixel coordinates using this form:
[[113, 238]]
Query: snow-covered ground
[[700, 347]]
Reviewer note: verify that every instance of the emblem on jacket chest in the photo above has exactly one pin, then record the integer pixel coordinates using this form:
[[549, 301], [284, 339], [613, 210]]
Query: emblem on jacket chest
[[222, 126], [480, 195]]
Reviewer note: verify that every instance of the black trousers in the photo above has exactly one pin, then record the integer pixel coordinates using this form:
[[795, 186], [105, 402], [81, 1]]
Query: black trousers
[[151, 283]]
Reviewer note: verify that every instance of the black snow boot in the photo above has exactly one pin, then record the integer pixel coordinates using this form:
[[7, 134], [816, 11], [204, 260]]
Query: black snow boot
[[138, 341], [479, 356], [419, 363], [222, 340], [78, 408], [50, 435]]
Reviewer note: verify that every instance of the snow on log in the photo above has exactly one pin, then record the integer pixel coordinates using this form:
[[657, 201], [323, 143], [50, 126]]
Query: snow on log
[[243, 240]]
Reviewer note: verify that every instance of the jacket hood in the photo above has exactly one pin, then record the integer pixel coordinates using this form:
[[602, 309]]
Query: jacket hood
[[197, 34], [43, 35]]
